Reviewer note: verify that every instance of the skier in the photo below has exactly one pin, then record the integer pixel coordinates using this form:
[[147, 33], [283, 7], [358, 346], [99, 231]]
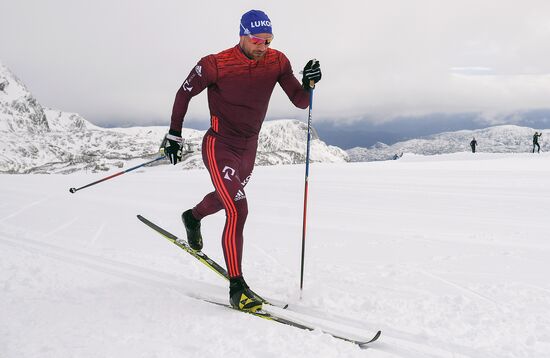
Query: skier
[[473, 144], [536, 142], [240, 81]]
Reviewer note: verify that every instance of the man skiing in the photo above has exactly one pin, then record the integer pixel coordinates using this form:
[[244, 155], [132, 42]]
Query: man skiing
[[536, 141], [473, 144], [240, 81]]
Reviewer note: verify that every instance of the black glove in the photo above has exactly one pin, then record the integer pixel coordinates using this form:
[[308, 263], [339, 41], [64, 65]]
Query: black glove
[[311, 72], [172, 144]]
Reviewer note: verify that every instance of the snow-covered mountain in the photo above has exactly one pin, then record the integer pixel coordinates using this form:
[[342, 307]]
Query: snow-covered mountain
[[19, 110], [40, 140], [498, 139]]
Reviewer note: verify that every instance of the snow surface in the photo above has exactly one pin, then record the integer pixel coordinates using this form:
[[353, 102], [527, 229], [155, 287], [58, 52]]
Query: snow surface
[[447, 255]]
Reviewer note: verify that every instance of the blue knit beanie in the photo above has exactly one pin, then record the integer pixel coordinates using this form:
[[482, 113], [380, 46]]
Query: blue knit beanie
[[255, 22]]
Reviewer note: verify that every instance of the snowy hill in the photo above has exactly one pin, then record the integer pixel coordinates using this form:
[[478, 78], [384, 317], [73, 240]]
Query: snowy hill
[[498, 139], [19, 110], [40, 140], [446, 254]]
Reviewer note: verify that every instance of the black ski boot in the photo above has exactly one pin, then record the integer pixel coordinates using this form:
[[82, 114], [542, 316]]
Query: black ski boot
[[241, 297], [193, 229]]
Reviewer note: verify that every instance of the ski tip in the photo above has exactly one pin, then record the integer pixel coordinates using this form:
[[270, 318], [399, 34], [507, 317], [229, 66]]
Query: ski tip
[[142, 219], [376, 336]]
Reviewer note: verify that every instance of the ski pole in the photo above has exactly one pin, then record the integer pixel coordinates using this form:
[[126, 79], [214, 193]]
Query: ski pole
[[74, 190], [312, 86]]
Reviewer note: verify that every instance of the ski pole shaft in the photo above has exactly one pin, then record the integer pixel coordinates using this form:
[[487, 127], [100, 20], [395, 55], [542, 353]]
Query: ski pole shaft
[[311, 84], [74, 190]]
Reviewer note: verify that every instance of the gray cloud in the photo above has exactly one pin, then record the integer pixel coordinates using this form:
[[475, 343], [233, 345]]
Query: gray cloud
[[123, 60]]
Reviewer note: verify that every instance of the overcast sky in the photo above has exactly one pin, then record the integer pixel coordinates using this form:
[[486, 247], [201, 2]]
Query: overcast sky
[[122, 61]]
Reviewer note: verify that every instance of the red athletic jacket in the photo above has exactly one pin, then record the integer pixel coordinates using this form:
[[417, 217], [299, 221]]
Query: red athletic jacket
[[239, 90]]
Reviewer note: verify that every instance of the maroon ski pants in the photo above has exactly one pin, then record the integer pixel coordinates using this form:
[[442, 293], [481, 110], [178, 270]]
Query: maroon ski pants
[[230, 163]]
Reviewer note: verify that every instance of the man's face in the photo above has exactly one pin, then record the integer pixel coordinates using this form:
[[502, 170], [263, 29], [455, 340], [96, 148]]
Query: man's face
[[255, 46]]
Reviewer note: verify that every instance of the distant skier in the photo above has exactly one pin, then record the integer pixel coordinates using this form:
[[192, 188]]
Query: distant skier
[[240, 81], [473, 144], [536, 142]]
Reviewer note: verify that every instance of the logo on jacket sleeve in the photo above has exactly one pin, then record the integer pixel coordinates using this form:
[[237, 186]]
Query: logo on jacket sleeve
[[186, 86], [198, 70]]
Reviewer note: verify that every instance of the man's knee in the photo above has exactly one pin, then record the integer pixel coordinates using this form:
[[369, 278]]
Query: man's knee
[[236, 203]]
